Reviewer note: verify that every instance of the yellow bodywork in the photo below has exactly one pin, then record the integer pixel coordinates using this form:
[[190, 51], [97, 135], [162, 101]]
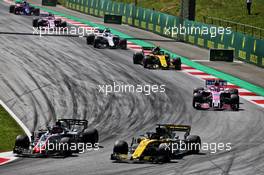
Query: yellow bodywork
[[141, 148], [162, 60]]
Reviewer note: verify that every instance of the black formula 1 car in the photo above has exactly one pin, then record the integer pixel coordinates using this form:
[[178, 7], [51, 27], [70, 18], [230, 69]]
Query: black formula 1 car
[[156, 58], [169, 142], [23, 8], [48, 20], [216, 95], [105, 39], [67, 136]]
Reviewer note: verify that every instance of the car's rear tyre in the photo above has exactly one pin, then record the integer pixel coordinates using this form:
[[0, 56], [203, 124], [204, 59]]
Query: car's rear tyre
[[35, 23], [234, 91], [63, 24], [96, 43], [177, 63], [234, 99], [90, 39], [163, 153], [36, 12], [123, 44], [120, 147], [22, 141], [90, 135], [138, 57], [65, 144], [194, 144], [12, 9], [145, 63]]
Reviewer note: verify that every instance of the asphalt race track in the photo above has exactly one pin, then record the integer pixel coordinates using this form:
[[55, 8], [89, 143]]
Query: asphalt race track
[[45, 78]]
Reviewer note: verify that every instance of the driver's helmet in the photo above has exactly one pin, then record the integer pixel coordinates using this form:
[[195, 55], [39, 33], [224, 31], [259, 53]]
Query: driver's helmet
[[51, 16], [156, 50], [57, 128], [217, 86], [217, 83], [161, 131]]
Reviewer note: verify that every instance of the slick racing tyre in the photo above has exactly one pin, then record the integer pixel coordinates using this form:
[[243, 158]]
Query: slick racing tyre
[[22, 141], [63, 24], [90, 136], [90, 39], [97, 43], [12, 9], [163, 154], [36, 12], [123, 44], [65, 144], [234, 100], [120, 147], [177, 63], [194, 144], [145, 63], [138, 57], [35, 23]]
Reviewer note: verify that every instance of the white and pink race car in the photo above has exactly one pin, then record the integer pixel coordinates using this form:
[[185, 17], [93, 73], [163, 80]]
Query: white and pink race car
[[216, 95], [48, 20]]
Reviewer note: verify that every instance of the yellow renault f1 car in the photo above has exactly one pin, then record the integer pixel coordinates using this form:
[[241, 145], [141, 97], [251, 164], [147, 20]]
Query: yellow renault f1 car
[[155, 58], [169, 142]]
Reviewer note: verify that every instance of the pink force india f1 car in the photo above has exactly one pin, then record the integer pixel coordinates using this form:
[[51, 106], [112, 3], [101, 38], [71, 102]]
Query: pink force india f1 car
[[216, 95], [48, 20]]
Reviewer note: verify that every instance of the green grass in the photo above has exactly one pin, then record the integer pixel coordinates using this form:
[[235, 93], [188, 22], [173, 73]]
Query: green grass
[[9, 129], [234, 10]]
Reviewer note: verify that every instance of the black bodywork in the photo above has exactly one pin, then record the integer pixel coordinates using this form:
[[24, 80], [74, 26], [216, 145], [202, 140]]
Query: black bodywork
[[65, 132]]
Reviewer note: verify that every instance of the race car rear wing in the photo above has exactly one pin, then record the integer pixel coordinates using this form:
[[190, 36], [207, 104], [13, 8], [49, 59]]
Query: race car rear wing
[[213, 81], [174, 127], [147, 48], [74, 122], [161, 52]]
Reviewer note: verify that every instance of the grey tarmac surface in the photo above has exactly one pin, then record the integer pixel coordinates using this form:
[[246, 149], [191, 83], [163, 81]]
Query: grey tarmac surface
[[247, 72], [42, 79]]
